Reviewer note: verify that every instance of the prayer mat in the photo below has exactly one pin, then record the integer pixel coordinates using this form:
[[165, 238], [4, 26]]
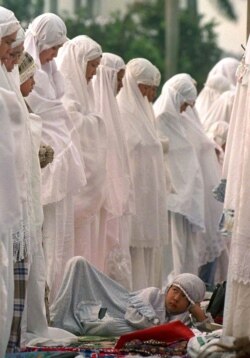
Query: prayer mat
[[152, 348]]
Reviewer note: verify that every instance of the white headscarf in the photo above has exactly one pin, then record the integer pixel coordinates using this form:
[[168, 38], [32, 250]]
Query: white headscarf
[[45, 31], [215, 85], [191, 285], [226, 67], [8, 22], [115, 63], [188, 199], [146, 156]]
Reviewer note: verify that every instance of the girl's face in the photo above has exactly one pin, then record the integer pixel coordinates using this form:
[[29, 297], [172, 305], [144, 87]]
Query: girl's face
[[120, 75], [48, 55], [175, 301], [5, 45], [27, 86], [91, 68]]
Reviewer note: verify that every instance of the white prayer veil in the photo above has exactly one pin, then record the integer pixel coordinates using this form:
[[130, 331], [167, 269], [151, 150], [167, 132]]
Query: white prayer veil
[[226, 67], [65, 174], [45, 31], [146, 156], [8, 22], [188, 200], [105, 90], [72, 61], [115, 63], [88, 126], [214, 86]]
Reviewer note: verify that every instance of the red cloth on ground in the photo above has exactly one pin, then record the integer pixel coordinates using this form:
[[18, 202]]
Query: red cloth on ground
[[169, 332]]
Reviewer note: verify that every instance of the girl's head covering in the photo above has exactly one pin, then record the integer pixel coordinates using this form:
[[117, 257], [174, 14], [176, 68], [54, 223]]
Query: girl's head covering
[[27, 67], [8, 22], [191, 285], [114, 64], [20, 37], [144, 72], [44, 32]]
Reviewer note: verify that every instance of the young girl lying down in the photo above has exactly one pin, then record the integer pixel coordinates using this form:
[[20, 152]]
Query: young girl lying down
[[90, 303]]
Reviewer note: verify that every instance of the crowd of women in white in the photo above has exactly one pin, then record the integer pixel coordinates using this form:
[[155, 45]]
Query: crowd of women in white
[[130, 184]]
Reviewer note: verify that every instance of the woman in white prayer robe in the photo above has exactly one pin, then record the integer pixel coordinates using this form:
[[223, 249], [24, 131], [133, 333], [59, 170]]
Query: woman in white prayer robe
[[148, 232], [30, 254], [186, 202], [78, 60], [65, 176], [119, 203], [237, 161], [212, 244]]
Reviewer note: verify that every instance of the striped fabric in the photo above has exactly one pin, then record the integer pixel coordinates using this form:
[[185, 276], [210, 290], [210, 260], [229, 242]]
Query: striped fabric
[[20, 284]]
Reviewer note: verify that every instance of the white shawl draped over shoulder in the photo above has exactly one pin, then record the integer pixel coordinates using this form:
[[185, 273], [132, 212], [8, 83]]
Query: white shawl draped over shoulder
[[88, 128], [188, 198]]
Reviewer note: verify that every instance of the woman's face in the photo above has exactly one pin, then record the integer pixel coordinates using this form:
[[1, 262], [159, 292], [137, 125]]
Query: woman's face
[[27, 86], [120, 75], [175, 301], [91, 68], [5, 45], [144, 89], [14, 57], [48, 55]]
